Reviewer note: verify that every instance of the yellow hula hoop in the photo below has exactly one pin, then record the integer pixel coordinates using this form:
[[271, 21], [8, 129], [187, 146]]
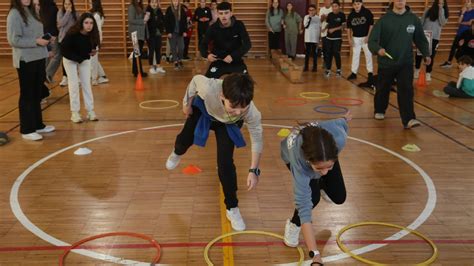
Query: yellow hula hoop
[[210, 244], [316, 95], [175, 104], [357, 257]]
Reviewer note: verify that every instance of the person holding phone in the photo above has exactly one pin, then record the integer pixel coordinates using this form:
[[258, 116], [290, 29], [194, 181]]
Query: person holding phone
[[137, 22], [29, 52], [77, 47]]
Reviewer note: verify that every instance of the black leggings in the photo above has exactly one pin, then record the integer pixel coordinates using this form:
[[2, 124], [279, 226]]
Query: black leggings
[[311, 50], [333, 50], [454, 47], [154, 50], [31, 76], [429, 67], [332, 183], [225, 154]]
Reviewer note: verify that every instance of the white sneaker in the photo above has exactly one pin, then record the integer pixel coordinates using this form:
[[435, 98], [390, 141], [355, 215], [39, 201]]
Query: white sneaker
[[233, 215], [412, 123], [379, 116], [94, 83], [428, 76], [173, 161], [152, 70], [63, 82], [32, 136], [325, 196], [76, 117], [91, 116], [416, 74], [160, 70], [102, 80], [292, 234], [46, 129]]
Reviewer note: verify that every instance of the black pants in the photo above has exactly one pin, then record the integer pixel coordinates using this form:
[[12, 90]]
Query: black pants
[[186, 47], [274, 40], [324, 47], [454, 47], [154, 50], [225, 154], [453, 91], [333, 50], [311, 50], [218, 68], [404, 76], [429, 68], [201, 32], [332, 183], [134, 63], [32, 76]]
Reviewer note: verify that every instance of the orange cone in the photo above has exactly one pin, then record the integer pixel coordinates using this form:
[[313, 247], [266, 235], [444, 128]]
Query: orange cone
[[421, 82], [139, 83]]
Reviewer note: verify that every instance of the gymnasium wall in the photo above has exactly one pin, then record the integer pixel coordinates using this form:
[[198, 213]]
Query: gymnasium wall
[[252, 12]]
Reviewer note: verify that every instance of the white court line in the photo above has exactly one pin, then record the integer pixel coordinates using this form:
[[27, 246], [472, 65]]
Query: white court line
[[18, 212]]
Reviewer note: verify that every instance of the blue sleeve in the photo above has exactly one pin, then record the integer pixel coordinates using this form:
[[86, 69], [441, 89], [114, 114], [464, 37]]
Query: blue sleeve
[[301, 188]]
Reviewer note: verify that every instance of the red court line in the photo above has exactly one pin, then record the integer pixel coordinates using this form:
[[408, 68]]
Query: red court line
[[234, 244]]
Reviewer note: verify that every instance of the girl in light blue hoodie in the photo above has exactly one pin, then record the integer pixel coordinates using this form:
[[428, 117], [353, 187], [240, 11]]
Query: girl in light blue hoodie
[[311, 154]]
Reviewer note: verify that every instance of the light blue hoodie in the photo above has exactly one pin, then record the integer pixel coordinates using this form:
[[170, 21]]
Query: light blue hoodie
[[292, 154]]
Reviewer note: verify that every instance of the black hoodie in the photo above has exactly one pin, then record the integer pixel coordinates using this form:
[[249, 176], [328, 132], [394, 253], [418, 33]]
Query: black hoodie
[[156, 22], [233, 40]]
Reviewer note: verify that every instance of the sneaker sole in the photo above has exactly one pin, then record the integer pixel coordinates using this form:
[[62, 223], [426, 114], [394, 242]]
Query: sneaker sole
[[235, 229], [290, 245]]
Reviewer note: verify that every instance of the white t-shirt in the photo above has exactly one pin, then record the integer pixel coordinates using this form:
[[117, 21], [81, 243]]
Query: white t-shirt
[[324, 11], [312, 32]]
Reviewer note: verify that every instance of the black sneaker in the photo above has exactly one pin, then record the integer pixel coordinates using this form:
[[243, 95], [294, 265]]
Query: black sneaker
[[352, 76], [314, 69], [338, 73], [327, 73], [144, 75], [446, 64]]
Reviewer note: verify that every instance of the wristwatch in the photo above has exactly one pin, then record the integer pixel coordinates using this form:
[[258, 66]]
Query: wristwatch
[[256, 171], [313, 253]]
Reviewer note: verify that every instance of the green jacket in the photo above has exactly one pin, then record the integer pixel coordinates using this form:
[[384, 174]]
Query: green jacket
[[396, 34]]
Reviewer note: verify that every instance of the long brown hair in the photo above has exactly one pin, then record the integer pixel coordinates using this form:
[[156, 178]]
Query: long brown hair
[[433, 12], [93, 35], [138, 4], [16, 4], [318, 144], [73, 9], [97, 7]]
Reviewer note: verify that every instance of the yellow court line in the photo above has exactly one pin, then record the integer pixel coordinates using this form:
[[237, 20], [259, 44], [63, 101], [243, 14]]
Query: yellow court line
[[228, 252]]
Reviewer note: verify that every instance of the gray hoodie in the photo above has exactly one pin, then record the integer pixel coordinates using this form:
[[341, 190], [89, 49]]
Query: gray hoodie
[[292, 154]]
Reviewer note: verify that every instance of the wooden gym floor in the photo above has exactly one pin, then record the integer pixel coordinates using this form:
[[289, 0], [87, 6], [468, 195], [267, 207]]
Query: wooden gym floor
[[50, 197]]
